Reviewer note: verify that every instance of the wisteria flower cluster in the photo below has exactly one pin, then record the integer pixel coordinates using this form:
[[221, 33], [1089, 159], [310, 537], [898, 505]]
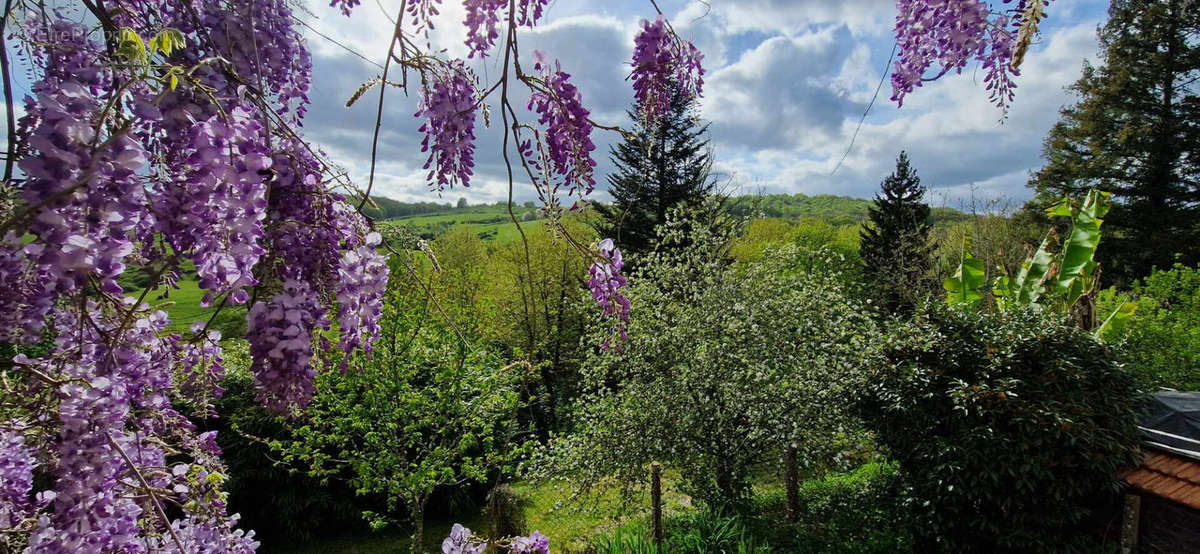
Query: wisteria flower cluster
[[952, 33], [461, 541], [484, 21], [661, 61], [281, 343], [568, 131], [448, 107], [605, 283], [16, 476], [121, 166]]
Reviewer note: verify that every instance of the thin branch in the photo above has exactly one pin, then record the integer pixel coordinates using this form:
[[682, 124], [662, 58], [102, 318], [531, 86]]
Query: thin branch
[[8, 95]]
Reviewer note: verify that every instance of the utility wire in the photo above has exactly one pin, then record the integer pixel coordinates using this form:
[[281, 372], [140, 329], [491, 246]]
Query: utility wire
[[853, 138]]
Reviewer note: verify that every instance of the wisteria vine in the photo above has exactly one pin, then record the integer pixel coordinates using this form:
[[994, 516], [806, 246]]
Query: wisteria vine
[[171, 138]]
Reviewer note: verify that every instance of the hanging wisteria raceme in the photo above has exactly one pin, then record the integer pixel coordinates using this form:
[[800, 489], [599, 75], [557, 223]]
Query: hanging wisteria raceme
[[953, 33], [16, 476], [225, 158], [485, 20], [260, 39], [281, 344], [605, 283], [362, 282], [662, 61], [568, 132], [448, 107], [175, 141]]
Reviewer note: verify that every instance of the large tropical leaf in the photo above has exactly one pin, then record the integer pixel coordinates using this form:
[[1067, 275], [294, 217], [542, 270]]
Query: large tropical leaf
[[1116, 322], [1077, 263], [965, 287], [1031, 279]]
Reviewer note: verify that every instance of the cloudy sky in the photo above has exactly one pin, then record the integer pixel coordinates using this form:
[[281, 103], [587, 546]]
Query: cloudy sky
[[787, 83]]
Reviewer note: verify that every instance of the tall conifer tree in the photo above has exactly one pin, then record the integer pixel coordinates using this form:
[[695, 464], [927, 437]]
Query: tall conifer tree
[[1135, 132], [659, 167], [895, 244]]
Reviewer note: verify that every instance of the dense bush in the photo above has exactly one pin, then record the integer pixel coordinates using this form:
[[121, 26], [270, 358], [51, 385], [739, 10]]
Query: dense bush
[[699, 532], [1005, 426], [281, 505], [427, 410], [1162, 344], [725, 365], [855, 512]]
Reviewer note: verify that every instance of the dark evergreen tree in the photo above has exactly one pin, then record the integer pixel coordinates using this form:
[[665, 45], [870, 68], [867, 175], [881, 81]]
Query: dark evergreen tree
[[895, 243], [1135, 132], [659, 167]]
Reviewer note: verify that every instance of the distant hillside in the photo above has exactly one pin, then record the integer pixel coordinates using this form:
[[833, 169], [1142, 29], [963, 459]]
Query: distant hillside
[[832, 208], [429, 219]]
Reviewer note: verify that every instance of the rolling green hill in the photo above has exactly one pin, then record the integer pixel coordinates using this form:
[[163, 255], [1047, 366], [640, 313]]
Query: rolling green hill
[[838, 210]]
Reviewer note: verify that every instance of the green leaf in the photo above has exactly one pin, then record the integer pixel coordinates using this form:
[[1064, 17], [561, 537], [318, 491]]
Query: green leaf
[[1031, 279], [1117, 322], [1077, 263], [965, 287], [173, 81]]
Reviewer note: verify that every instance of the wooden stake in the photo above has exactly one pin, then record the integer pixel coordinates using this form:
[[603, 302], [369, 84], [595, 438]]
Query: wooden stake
[[792, 483], [656, 530]]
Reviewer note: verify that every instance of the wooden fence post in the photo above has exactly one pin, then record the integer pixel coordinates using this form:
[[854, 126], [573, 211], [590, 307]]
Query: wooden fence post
[[792, 483], [656, 529]]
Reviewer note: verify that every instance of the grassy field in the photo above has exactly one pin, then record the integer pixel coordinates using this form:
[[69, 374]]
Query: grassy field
[[569, 526], [491, 222]]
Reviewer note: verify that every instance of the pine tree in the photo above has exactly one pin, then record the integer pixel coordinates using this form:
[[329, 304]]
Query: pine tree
[[895, 244], [1135, 132], [658, 167]]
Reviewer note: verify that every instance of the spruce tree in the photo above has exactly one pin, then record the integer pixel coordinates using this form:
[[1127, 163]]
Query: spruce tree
[[1135, 132], [659, 166], [895, 244]]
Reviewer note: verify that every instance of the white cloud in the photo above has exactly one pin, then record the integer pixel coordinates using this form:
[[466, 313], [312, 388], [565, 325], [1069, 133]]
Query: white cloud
[[787, 83]]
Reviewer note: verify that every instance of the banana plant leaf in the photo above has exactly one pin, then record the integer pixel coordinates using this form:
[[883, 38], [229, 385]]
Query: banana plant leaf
[[965, 287], [1116, 323], [1077, 262]]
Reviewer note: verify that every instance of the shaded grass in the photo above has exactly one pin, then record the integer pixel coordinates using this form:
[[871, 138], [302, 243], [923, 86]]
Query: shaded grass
[[546, 507]]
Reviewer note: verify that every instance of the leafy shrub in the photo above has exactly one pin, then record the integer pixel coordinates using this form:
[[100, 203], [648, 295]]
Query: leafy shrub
[[1006, 426], [1162, 345], [721, 371], [706, 531], [855, 512], [281, 505]]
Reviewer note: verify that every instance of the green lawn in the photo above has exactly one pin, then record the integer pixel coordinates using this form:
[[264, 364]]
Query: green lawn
[[546, 510], [491, 222], [183, 306]]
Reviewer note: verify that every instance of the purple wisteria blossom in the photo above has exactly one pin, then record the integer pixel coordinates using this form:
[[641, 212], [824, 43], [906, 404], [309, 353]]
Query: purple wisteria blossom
[[662, 61], [484, 20], [568, 135], [281, 343], [537, 543], [449, 107], [951, 34], [363, 280], [605, 283], [16, 476], [459, 542]]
